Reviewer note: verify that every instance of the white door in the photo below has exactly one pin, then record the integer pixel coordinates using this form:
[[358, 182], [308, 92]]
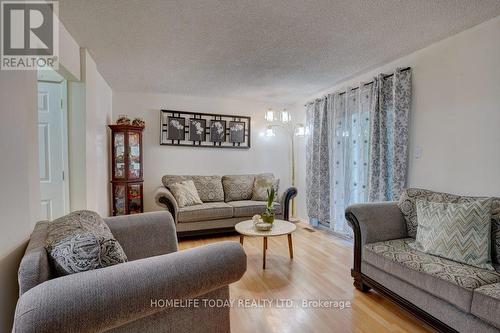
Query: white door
[[52, 144]]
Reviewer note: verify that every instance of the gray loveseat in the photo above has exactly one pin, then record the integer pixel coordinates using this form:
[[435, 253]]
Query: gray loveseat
[[132, 296], [447, 295], [227, 200]]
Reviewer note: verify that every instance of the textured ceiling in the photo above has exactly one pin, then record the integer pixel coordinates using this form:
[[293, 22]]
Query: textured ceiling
[[280, 51]]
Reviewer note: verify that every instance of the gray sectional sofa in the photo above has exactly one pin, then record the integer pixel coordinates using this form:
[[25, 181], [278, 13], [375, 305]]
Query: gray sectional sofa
[[227, 200], [447, 295], [130, 296]]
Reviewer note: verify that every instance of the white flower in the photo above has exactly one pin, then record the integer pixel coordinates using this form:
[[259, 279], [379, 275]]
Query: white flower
[[197, 126], [218, 125], [176, 124], [236, 127]]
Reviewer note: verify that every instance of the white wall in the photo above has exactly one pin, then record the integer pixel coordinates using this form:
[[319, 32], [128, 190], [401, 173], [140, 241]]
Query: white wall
[[265, 155], [455, 113], [69, 55], [19, 179], [98, 111]]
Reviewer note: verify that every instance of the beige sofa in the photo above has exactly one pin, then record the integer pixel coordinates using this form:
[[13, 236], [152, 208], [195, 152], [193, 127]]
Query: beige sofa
[[226, 201]]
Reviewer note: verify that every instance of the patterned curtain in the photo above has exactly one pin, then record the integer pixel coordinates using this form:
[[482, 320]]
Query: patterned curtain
[[389, 136], [317, 166], [357, 148]]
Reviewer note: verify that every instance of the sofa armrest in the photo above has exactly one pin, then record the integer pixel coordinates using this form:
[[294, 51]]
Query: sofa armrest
[[373, 222], [144, 235], [164, 198], [106, 298], [286, 200]]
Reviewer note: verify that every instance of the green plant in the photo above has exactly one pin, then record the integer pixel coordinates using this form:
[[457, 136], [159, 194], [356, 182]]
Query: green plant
[[268, 215]]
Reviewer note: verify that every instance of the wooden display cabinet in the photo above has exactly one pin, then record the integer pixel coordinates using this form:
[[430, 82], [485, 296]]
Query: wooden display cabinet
[[126, 169]]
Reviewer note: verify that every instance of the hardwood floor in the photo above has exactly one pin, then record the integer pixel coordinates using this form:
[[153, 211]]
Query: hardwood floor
[[320, 270]]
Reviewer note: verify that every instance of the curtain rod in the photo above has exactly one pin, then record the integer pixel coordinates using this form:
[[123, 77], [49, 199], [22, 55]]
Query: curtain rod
[[371, 82], [368, 83]]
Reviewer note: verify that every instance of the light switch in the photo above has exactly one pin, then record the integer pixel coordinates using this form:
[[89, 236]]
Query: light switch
[[418, 152]]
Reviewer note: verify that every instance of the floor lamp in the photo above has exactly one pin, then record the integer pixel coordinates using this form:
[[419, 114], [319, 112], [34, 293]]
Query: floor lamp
[[283, 120]]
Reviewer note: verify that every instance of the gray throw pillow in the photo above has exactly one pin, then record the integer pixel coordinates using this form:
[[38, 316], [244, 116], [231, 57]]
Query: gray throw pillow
[[209, 187], [237, 187], [185, 193], [459, 232], [81, 241], [407, 204], [261, 184]]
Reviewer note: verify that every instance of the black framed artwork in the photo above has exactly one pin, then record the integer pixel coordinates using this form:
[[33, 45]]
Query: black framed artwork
[[176, 128], [194, 129], [217, 131], [197, 129]]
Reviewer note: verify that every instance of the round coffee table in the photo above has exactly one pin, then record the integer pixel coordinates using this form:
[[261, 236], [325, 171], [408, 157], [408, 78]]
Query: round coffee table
[[280, 228]]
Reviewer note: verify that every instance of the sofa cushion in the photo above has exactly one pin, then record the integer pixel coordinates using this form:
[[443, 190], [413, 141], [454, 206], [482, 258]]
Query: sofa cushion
[[209, 187], [237, 187], [81, 241], [459, 232], [34, 268], [245, 208], [261, 184], [486, 303], [204, 212], [185, 193], [449, 280], [411, 195]]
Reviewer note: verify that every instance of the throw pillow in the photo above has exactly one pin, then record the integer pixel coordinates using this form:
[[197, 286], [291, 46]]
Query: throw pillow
[[81, 241], [261, 184], [459, 232], [237, 187], [185, 193], [209, 188]]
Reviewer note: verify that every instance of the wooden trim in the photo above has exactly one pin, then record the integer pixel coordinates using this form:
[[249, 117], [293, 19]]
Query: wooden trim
[[364, 283], [204, 232], [408, 306]]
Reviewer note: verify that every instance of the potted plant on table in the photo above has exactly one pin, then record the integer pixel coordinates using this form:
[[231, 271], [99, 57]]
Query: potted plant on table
[[268, 215]]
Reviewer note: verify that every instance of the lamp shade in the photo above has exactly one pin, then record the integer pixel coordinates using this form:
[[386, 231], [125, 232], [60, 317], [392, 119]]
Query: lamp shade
[[271, 115], [300, 130], [285, 116]]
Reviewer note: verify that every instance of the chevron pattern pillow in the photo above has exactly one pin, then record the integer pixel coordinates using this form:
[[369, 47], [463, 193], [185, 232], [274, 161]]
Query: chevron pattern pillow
[[459, 232]]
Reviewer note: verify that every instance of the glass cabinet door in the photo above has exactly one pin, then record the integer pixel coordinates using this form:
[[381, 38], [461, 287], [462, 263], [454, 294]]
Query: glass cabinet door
[[119, 154], [120, 199], [134, 198], [134, 156]]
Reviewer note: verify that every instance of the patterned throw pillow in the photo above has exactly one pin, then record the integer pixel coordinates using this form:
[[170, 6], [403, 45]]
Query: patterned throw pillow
[[261, 184], [82, 241], [185, 193], [209, 188], [459, 232], [237, 187], [408, 200]]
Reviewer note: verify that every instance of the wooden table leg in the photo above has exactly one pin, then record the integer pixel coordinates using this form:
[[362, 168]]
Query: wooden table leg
[[241, 239], [264, 248], [290, 246]]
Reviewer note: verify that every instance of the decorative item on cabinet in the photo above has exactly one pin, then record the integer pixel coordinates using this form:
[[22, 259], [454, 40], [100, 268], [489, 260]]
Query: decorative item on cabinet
[[126, 169]]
